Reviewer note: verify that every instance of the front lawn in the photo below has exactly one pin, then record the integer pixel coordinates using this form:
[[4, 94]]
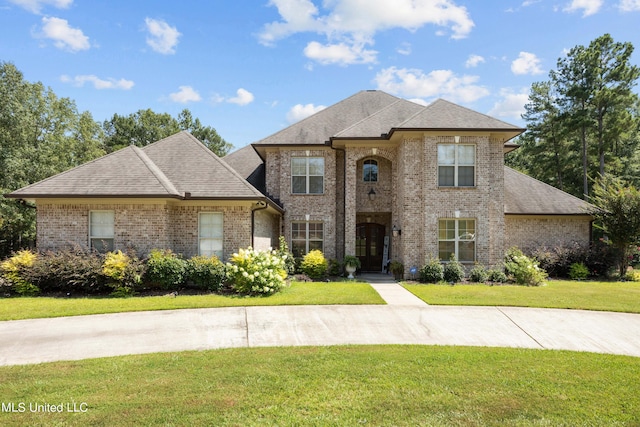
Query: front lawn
[[299, 293], [337, 386], [587, 295]]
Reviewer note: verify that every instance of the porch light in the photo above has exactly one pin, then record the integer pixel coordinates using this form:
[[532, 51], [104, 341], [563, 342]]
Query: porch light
[[396, 231], [372, 194]]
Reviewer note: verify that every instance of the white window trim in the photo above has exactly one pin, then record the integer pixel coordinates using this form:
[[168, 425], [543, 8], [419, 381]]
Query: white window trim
[[113, 230], [456, 165], [457, 238], [200, 238], [307, 175], [307, 240]]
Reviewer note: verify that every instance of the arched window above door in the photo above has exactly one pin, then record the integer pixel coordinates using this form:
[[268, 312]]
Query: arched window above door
[[370, 170]]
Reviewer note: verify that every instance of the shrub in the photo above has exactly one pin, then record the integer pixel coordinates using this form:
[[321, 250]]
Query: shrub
[[432, 271], [478, 274], [68, 270], [205, 273], [335, 267], [256, 272], [284, 253], [578, 271], [14, 271], [165, 269], [632, 275], [314, 264], [124, 271], [524, 270], [497, 276], [453, 271]]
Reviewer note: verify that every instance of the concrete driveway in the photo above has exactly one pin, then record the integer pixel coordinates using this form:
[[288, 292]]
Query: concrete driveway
[[80, 337]]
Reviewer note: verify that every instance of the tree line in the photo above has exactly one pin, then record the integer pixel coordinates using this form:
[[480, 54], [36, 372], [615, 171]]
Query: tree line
[[42, 134]]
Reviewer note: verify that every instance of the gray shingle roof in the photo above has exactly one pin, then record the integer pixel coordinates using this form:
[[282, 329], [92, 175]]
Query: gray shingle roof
[[171, 167], [249, 165], [524, 195]]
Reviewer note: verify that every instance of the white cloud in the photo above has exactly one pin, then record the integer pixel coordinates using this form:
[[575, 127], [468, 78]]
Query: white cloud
[[629, 5], [63, 36], [438, 83], [97, 82], [243, 97], [404, 49], [184, 95], [341, 53], [349, 25], [511, 105], [588, 7], [527, 63], [299, 112], [35, 6], [163, 38], [473, 61]]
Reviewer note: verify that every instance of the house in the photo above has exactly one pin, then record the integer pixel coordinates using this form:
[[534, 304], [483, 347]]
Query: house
[[374, 175]]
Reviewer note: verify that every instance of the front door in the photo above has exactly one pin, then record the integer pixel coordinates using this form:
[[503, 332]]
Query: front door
[[370, 246]]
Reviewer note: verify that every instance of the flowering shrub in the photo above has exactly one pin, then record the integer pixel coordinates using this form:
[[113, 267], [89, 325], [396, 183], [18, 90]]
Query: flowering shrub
[[13, 270], [256, 272], [524, 270], [165, 269], [432, 271], [206, 273], [124, 271], [284, 253], [314, 264], [632, 275]]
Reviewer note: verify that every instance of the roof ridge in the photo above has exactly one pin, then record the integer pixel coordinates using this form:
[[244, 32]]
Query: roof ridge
[[224, 164], [472, 111], [156, 171], [377, 112]]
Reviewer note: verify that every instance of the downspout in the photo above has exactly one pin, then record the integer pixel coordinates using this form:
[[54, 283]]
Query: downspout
[[261, 206]]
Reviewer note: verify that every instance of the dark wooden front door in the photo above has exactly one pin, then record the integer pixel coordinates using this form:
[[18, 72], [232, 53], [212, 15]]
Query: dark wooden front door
[[370, 246]]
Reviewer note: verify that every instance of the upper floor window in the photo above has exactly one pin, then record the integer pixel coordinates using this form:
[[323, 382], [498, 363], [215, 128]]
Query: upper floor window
[[370, 171], [456, 165], [458, 237], [307, 175], [102, 230]]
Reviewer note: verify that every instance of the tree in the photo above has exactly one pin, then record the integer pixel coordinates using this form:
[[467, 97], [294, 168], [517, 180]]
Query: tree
[[145, 127], [584, 121], [617, 215], [40, 135]]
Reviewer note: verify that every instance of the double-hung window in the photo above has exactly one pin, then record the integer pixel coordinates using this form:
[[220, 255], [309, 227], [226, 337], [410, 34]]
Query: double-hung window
[[101, 230], [210, 240], [456, 165], [307, 175], [305, 237], [458, 237]]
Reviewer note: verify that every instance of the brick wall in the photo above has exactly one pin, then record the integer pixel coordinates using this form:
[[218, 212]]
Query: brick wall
[[527, 232], [145, 226]]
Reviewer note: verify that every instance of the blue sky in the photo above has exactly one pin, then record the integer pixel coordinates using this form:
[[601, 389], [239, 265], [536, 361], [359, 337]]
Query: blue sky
[[250, 68]]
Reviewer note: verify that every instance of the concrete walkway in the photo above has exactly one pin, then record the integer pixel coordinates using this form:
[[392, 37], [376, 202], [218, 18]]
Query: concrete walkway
[[403, 321]]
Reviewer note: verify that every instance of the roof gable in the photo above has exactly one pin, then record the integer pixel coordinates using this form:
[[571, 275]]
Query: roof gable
[[178, 166]]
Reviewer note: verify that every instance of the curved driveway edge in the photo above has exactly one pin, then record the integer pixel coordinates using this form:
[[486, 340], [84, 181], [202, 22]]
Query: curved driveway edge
[[81, 337]]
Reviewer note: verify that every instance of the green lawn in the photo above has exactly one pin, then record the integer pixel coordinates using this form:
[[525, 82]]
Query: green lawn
[[587, 295], [299, 293], [335, 386]]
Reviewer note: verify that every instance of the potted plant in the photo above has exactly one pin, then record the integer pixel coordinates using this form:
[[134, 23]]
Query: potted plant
[[397, 269], [351, 264]]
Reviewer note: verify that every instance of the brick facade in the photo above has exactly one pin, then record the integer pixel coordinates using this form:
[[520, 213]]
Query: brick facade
[[149, 225], [530, 232]]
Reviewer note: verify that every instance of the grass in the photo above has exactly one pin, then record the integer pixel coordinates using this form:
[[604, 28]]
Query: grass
[[319, 386], [587, 295], [299, 293]]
